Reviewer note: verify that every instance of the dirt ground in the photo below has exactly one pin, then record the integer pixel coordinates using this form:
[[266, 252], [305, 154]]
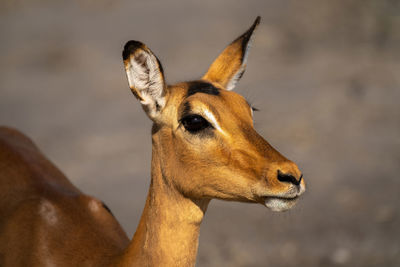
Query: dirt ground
[[325, 76]]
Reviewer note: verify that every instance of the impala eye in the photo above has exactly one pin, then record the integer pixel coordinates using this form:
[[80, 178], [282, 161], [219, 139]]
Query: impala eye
[[195, 123]]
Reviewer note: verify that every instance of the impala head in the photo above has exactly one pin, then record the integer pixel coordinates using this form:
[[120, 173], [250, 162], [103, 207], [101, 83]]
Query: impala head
[[204, 141]]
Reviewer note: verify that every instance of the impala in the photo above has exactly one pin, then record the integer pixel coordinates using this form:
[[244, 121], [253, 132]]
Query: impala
[[204, 147]]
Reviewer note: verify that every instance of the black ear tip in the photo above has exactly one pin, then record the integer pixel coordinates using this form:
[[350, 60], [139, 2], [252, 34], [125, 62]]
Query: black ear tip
[[130, 47], [255, 24], [246, 36]]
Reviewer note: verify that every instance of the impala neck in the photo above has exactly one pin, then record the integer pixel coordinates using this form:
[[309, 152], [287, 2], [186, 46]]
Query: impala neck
[[168, 231]]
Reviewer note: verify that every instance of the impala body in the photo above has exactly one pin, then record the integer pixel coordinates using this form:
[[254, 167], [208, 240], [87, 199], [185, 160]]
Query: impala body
[[204, 147]]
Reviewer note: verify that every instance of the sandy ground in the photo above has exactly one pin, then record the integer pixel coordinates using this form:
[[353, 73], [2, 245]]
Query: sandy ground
[[325, 78]]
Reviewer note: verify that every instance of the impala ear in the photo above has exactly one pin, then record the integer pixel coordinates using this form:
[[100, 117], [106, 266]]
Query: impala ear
[[230, 65], [145, 77]]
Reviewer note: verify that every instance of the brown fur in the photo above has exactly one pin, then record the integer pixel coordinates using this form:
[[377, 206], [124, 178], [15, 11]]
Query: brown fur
[[42, 213], [46, 221]]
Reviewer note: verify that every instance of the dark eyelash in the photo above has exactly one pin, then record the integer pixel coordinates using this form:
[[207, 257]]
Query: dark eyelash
[[251, 106]]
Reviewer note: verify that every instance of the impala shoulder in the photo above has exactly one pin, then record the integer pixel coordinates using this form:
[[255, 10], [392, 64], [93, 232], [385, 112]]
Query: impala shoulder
[[95, 206], [12, 141], [33, 210], [12, 135], [48, 211]]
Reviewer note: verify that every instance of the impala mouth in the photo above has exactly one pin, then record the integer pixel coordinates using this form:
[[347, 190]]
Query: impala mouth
[[279, 203]]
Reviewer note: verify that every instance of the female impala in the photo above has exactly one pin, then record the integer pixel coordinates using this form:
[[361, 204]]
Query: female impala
[[204, 147]]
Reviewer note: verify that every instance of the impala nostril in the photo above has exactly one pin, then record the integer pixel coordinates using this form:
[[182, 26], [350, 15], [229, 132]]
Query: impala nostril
[[288, 178]]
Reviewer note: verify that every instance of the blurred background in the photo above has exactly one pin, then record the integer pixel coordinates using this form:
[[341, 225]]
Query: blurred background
[[324, 74]]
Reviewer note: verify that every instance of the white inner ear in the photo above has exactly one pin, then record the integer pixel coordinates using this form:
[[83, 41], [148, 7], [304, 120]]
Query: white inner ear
[[145, 77], [232, 83]]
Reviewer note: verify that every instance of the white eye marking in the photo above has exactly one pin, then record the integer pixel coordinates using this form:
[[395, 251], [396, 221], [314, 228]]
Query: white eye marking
[[212, 120], [252, 111]]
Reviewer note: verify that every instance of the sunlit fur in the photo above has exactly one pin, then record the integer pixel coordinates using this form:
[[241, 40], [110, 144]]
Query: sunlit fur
[[232, 163], [46, 221]]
